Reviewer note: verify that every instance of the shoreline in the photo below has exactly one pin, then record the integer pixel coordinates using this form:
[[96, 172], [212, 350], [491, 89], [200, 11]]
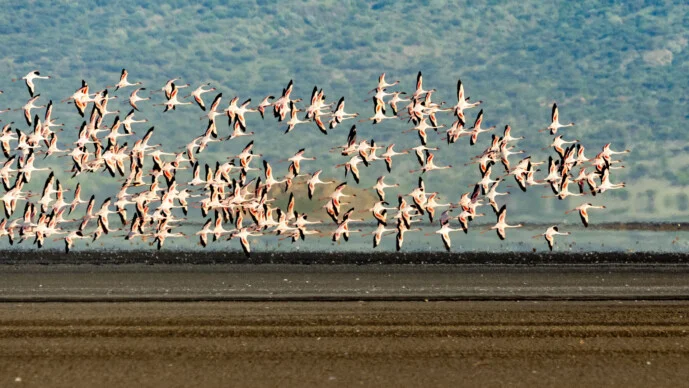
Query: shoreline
[[172, 257]]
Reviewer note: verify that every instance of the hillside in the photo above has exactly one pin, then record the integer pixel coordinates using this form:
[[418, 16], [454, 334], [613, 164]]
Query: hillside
[[619, 71]]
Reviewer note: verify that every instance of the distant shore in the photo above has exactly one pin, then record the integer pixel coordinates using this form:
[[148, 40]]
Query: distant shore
[[205, 257]]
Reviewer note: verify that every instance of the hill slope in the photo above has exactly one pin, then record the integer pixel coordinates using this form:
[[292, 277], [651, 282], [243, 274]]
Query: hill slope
[[618, 70]]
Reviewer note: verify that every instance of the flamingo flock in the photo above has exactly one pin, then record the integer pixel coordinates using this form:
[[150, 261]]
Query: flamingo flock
[[237, 197]]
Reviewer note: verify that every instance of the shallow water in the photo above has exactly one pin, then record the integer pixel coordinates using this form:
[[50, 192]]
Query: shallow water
[[599, 238]]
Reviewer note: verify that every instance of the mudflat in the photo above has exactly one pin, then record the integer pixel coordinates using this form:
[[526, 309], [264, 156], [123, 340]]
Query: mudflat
[[346, 282], [278, 344]]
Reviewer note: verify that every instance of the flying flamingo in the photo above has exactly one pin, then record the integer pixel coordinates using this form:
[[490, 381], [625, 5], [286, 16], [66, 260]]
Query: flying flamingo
[[550, 234], [29, 78], [583, 212], [123, 83], [501, 225], [555, 122]]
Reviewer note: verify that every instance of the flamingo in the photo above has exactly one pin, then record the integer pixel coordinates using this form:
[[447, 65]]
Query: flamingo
[[383, 84], [197, 95], [129, 120], [283, 105], [492, 193], [501, 225], [420, 150], [351, 165], [170, 85], [213, 112], [396, 99], [606, 185], [430, 165], [378, 234], [294, 120], [263, 105], [431, 205], [343, 227], [123, 83], [379, 211], [564, 192], [380, 187], [419, 87], [161, 235], [555, 121], [462, 102], [550, 234], [270, 180], [557, 144], [172, 103], [607, 153], [28, 168], [444, 233], [421, 129], [29, 106], [476, 129], [71, 237], [298, 158], [485, 181], [241, 111], [402, 228], [134, 98], [80, 97], [315, 180], [29, 78], [507, 135], [340, 115], [6, 230], [583, 212], [389, 153], [243, 235], [379, 115]]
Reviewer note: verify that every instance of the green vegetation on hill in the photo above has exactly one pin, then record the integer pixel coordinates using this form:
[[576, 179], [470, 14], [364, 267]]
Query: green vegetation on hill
[[618, 69]]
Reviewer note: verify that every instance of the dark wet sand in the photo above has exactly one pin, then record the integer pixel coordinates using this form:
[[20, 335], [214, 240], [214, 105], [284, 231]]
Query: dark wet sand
[[328, 283], [418, 344], [152, 257]]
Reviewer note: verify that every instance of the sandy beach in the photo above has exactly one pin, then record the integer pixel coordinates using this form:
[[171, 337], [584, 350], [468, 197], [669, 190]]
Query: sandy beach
[[273, 325], [270, 344]]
